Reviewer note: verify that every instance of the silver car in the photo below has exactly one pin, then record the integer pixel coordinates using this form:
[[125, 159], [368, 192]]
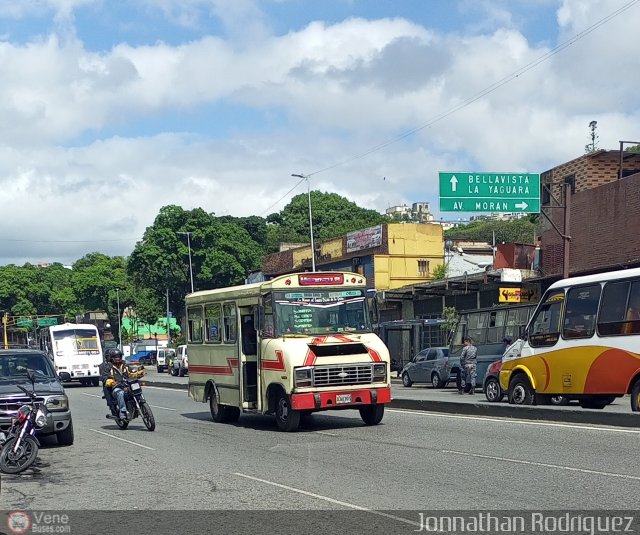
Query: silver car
[[431, 365]]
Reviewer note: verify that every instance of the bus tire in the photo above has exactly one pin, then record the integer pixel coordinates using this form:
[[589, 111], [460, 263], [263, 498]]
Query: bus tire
[[520, 391], [635, 396], [95, 381], [287, 419], [372, 414]]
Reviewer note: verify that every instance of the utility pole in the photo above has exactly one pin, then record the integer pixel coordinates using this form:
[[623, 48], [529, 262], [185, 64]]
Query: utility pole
[[313, 250], [119, 320], [168, 320], [190, 266], [5, 320]]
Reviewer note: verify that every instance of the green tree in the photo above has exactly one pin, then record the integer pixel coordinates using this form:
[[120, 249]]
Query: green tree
[[333, 216], [222, 254], [440, 272], [518, 231]]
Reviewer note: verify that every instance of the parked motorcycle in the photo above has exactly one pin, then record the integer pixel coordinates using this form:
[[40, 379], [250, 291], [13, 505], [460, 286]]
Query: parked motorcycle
[[20, 446], [136, 406]]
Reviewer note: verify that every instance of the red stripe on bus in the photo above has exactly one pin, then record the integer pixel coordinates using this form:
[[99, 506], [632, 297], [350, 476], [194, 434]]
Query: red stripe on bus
[[216, 370], [274, 365], [310, 358], [375, 356]]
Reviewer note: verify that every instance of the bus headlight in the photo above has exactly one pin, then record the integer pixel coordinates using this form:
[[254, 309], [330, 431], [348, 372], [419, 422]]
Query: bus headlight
[[303, 377], [379, 373]]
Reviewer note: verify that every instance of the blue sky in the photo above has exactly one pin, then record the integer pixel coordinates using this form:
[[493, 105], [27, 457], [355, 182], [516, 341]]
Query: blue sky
[[127, 106]]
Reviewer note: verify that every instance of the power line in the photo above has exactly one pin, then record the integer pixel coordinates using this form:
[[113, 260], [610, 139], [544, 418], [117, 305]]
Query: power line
[[286, 194], [490, 89]]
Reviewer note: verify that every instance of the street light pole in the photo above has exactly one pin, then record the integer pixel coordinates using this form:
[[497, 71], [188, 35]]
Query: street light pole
[[190, 265], [313, 251], [119, 320]]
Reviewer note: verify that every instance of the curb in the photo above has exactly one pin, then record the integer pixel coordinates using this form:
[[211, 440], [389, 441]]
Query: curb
[[173, 386], [582, 416]]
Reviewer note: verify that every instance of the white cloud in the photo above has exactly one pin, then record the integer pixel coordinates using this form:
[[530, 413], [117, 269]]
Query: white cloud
[[326, 93]]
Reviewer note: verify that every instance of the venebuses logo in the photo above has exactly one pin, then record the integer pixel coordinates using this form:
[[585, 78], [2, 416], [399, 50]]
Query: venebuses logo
[[19, 522]]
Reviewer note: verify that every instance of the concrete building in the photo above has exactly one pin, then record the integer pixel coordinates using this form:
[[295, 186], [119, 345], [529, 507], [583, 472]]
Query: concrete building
[[389, 256]]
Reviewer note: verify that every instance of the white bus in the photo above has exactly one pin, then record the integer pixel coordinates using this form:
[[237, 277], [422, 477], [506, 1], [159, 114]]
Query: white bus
[[76, 351]]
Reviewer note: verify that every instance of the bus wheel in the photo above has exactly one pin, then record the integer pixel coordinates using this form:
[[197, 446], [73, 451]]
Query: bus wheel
[[635, 396], [372, 414], [520, 391], [95, 381], [286, 418], [222, 413]]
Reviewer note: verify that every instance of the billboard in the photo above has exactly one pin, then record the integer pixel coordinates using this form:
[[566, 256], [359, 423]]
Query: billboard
[[364, 239]]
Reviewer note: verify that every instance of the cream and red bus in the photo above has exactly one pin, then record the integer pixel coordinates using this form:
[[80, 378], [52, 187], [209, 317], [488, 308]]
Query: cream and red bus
[[290, 346], [582, 342]]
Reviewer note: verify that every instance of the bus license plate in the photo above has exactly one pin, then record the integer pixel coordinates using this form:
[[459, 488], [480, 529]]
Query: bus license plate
[[343, 398]]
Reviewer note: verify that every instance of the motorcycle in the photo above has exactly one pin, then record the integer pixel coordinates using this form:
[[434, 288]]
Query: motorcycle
[[136, 406], [20, 446]]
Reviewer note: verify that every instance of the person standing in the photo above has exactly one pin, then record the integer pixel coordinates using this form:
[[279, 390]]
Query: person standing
[[468, 361]]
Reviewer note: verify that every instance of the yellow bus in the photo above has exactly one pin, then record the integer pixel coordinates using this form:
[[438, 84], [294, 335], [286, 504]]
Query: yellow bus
[[582, 342], [290, 346]]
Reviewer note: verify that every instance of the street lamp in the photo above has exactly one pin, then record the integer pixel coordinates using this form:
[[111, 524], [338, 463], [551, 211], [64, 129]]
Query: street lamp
[[119, 320], [190, 266], [313, 251]]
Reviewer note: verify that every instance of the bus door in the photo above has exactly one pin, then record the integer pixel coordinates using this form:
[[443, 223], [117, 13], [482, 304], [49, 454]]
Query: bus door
[[248, 355]]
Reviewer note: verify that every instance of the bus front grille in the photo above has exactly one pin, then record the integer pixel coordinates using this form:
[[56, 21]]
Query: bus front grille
[[354, 374]]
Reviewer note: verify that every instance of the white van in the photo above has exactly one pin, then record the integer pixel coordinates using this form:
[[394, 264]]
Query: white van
[[183, 360], [163, 359]]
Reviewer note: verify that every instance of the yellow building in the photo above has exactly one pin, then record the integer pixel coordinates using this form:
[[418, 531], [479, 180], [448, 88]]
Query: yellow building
[[389, 256]]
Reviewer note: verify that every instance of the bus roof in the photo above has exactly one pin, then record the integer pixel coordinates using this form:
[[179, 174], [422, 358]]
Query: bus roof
[[599, 277], [318, 279], [66, 326]]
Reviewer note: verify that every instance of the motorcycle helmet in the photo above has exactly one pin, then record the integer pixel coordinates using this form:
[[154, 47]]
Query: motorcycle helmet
[[115, 353]]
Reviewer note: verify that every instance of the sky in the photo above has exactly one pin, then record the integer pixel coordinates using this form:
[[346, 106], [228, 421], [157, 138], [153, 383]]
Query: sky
[[112, 109]]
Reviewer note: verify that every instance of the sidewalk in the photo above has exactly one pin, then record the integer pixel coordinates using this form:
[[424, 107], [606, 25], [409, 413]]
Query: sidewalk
[[447, 400]]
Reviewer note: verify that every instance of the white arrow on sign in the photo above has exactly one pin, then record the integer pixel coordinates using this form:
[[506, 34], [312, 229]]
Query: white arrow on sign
[[454, 183], [523, 205]]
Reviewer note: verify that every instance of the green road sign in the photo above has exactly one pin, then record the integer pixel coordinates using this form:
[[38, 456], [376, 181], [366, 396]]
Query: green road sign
[[24, 322], [490, 192], [46, 322]]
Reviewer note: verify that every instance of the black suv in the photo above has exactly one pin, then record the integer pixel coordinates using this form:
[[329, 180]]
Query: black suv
[[14, 364]]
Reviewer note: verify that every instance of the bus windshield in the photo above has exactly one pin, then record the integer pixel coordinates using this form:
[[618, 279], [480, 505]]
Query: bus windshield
[[78, 341], [310, 312]]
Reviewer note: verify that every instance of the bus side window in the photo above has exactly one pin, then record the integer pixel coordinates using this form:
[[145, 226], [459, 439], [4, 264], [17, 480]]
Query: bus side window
[[614, 309], [545, 325], [581, 310], [229, 322], [632, 316], [195, 324]]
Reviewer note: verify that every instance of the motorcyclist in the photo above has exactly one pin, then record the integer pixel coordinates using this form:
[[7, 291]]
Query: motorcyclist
[[112, 373]]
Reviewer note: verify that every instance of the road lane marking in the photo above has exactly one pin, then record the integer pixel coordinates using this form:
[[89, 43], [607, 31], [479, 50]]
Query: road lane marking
[[327, 433], [184, 390], [516, 421], [154, 406], [330, 500], [122, 439], [544, 465]]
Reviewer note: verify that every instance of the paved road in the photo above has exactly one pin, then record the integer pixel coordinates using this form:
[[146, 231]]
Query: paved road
[[448, 395], [413, 461]]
